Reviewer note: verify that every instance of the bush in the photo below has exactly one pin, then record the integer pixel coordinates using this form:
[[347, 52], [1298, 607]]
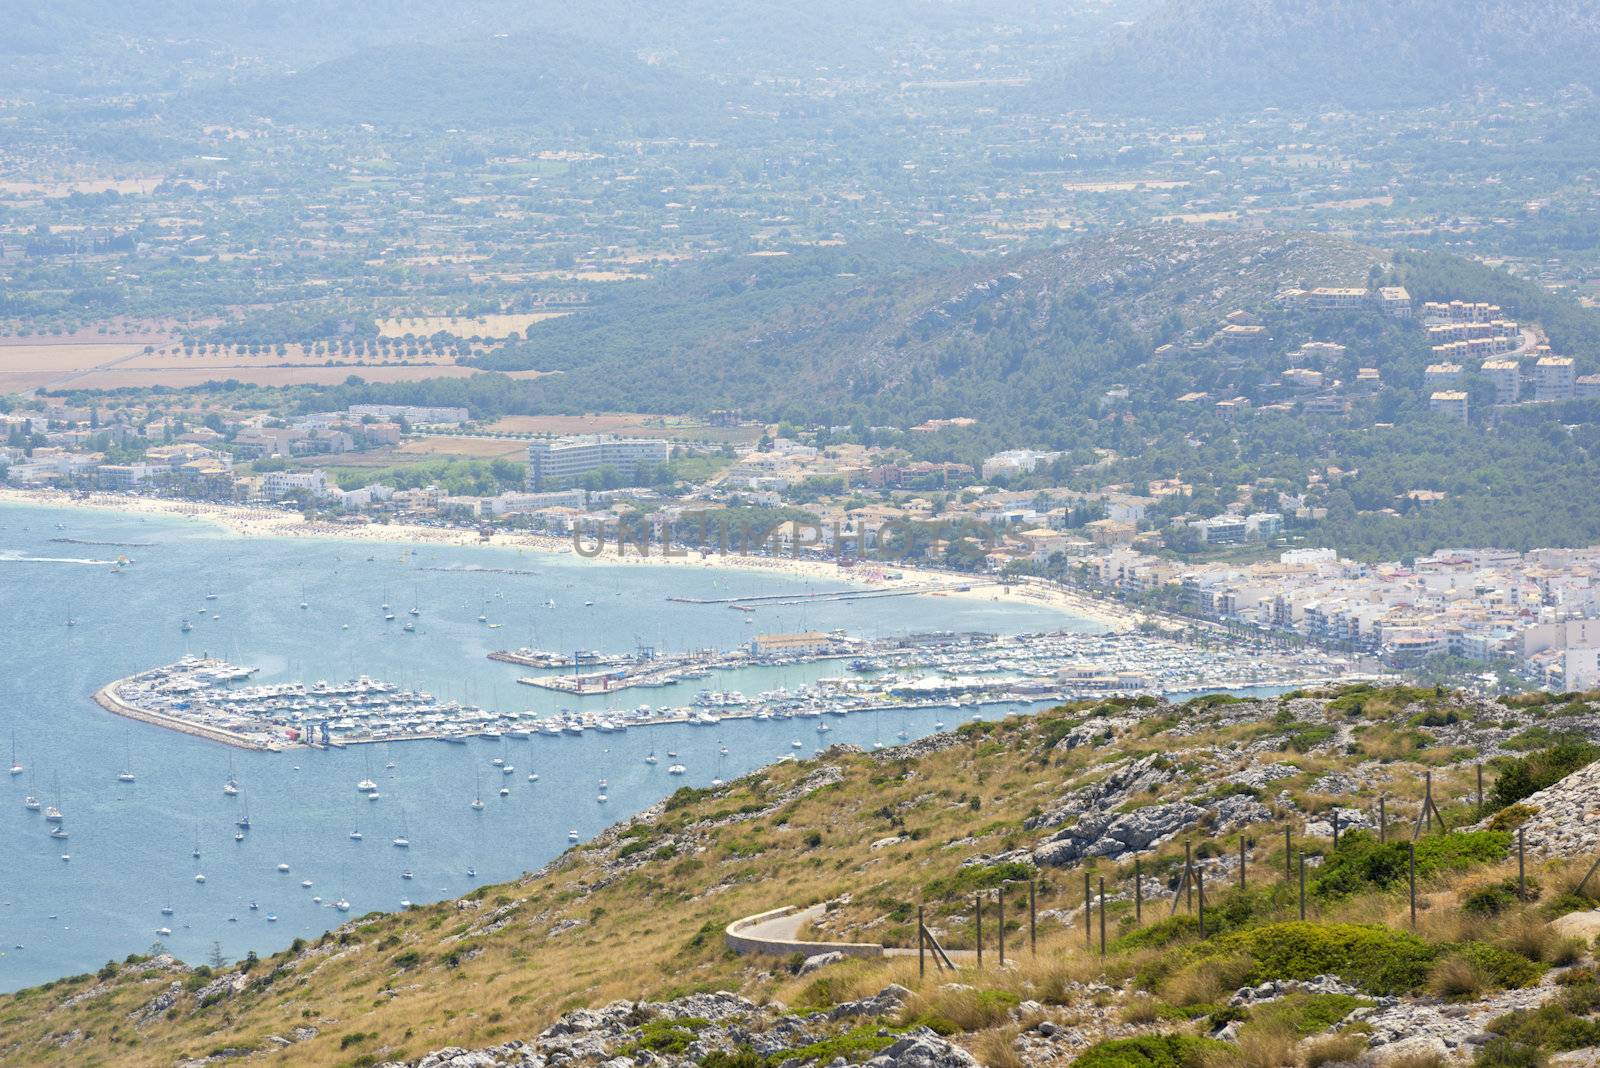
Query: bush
[[1363, 863], [1150, 1051], [1501, 967], [1374, 958], [1504, 1053], [1552, 1026], [1532, 773]]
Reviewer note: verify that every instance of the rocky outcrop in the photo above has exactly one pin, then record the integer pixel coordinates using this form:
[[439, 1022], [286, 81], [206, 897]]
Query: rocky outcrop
[[1566, 821], [1141, 776], [628, 1034], [1106, 835]]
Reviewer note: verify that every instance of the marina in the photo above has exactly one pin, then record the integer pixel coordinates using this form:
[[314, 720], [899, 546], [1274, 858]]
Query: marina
[[207, 697]]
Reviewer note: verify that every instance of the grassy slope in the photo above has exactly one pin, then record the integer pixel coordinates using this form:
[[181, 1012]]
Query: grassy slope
[[592, 928]]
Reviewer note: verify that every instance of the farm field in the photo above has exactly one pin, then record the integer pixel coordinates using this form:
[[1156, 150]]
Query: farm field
[[497, 326], [123, 378], [463, 448], [625, 424]]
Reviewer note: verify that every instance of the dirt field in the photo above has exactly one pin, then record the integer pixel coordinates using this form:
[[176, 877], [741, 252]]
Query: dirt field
[[294, 356], [62, 358], [81, 185], [118, 378], [466, 448], [461, 326], [625, 425]]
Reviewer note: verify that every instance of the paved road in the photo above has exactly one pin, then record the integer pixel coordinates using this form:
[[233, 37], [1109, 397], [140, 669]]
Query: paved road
[[786, 928]]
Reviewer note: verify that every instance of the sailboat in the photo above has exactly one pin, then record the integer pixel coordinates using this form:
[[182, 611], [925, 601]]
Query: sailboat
[[304, 604], [401, 841], [126, 774], [52, 813], [196, 853], [416, 609], [651, 758], [71, 619], [186, 626], [366, 785], [16, 768], [231, 785], [477, 800], [243, 822]]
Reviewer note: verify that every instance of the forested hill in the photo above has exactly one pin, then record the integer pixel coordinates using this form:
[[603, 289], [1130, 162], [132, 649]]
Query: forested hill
[[1207, 55], [904, 331], [545, 81]]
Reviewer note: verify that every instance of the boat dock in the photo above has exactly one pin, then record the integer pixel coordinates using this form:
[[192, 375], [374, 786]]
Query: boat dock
[[776, 599]]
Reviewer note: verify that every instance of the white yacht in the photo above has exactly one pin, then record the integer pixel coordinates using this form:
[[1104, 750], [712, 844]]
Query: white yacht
[[676, 769]]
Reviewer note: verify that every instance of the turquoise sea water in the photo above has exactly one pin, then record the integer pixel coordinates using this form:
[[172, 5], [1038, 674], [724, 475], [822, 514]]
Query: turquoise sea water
[[130, 844]]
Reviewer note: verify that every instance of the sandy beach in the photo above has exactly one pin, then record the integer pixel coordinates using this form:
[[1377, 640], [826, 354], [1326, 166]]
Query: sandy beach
[[246, 521]]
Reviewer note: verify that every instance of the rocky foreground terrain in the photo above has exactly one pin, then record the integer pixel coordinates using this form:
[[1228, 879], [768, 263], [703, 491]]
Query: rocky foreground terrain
[[614, 955]]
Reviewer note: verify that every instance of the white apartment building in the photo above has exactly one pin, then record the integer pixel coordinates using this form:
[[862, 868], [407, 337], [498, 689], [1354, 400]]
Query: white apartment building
[[560, 460]]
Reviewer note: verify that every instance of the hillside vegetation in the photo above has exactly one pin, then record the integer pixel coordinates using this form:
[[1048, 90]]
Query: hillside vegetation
[[638, 913], [1224, 54]]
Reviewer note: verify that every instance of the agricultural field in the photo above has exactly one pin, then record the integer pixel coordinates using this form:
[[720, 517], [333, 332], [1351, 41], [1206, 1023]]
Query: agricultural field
[[497, 326], [468, 448], [315, 375], [626, 425], [32, 366]]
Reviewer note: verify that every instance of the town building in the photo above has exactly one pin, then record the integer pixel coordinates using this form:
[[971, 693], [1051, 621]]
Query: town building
[[560, 461], [1451, 403]]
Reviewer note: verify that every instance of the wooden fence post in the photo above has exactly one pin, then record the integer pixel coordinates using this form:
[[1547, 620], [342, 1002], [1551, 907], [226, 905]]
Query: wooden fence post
[[1522, 866], [1383, 819], [1102, 915], [1413, 882], [922, 944], [1088, 914], [1188, 876], [1000, 898], [1302, 884], [977, 912], [1033, 921], [1138, 892], [1336, 826]]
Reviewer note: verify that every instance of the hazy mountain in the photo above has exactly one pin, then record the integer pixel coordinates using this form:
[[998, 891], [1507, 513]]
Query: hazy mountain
[[543, 80], [1198, 55]]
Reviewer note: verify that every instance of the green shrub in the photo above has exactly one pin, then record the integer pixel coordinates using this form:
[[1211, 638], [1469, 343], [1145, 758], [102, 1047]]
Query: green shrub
[[1504, 1053], [976, 877], [1305, 1014], [1551, 1026], [1502, 967], [1362, 863], [1376, 959], [666, 1036], [1150, 1051], [1532, 773]]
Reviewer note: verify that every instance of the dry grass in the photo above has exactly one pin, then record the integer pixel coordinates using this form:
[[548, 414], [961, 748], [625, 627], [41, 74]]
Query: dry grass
[[1332, 1049], [179, 377], [995, 1049], [1457, 977], [1258, 1047]]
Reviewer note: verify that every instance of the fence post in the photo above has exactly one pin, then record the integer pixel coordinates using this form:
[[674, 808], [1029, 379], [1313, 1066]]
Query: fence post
[[1188, 876], [1088, 914], [1033, 921], [1000, 898], [977, 912], [1383, 819], [922, 945], [1336, 826], [1102, 915], [1522, 867], [1413, 882], [1302, 884], [1138, 892]]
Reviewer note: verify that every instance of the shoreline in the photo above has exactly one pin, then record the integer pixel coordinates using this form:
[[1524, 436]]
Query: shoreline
[[245, 521]]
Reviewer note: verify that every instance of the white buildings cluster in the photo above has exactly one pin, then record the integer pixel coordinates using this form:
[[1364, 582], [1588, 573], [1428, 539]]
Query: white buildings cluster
[[1538, 610]]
